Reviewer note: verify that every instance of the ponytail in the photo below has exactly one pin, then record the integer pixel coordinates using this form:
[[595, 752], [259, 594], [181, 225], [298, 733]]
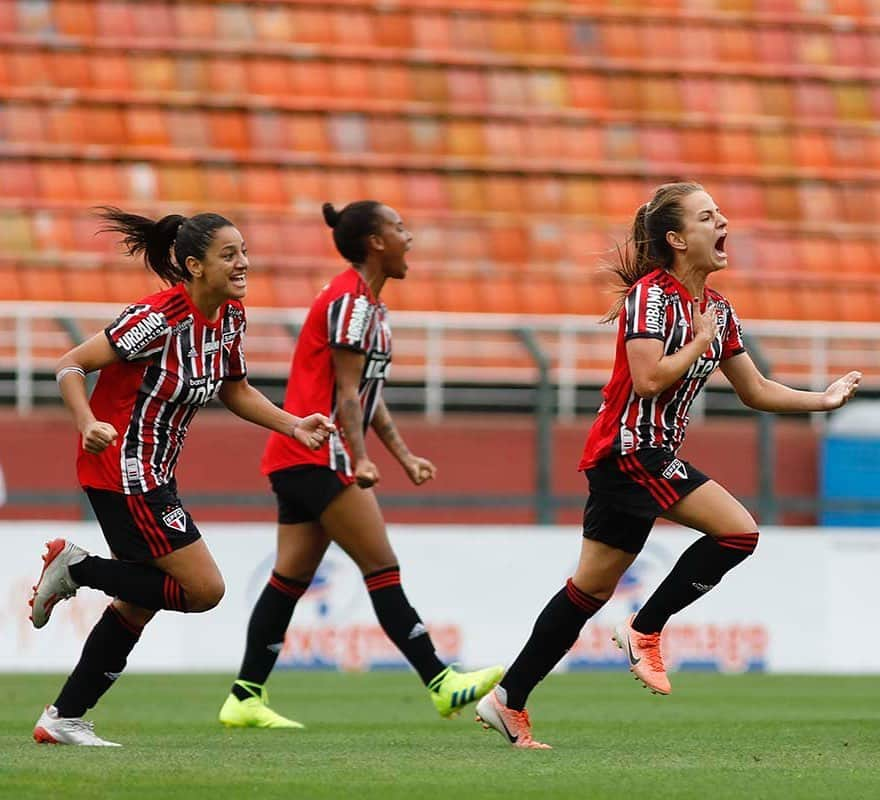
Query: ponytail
[[352, 226], [156, 239]]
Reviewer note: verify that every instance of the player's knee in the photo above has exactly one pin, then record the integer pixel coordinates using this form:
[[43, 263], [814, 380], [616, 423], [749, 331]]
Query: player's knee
[[741, 545], [206, 596]]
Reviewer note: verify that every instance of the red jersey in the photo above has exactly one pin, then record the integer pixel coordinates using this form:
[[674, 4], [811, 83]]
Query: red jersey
[[657, 307], [173, 362], [345, 314]]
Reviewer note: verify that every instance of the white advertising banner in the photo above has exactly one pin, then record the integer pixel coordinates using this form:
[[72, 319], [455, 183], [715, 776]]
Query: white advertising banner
[[800, 604]]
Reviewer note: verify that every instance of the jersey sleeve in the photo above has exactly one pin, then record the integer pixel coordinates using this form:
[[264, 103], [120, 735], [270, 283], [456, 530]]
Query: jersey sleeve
[[138, 333], [733, 343], [645, 312], [348, 321]]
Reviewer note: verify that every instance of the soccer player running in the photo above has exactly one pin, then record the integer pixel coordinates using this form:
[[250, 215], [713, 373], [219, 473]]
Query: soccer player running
[[673, 331], [339, 367], [165, 357]]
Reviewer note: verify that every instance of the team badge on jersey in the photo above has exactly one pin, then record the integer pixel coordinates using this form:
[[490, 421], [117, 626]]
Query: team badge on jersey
[[675, 469], [175, 517]]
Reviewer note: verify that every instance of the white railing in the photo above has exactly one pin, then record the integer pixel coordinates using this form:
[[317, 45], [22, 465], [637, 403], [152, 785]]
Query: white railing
[[437, 349]]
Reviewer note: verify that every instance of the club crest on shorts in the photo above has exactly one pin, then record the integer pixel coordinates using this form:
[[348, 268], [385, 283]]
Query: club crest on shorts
[[175, 517], [675, 469]]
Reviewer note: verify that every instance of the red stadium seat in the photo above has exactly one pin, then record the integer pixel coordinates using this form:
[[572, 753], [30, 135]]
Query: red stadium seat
[[392, 28], [432, 31]]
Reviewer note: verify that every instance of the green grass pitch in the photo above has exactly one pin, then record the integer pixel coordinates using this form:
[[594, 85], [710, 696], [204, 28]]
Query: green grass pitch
[[377, 736]]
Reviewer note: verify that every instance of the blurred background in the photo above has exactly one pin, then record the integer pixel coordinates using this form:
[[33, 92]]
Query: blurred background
[[517, 139]]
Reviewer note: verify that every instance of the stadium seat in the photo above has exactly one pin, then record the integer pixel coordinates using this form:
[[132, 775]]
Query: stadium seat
[[43, 283], [195, 20], [470, 32], [660, 95], [313, 25], [270, 77], [58, 181], [392, 28], [432, 31], [181, 183], [425, 191], [387, 187], [115, 18], [11, 283]]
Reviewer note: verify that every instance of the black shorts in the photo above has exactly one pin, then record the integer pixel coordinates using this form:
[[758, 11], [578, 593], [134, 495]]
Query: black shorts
[[304, 492], [627, 493], [141, 527]]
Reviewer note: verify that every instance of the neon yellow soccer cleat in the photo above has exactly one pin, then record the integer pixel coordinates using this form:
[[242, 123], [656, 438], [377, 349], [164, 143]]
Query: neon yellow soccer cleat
[[254, 712], [450, 690]]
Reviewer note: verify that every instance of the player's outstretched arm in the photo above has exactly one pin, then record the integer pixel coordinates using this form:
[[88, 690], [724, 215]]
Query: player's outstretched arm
[[245, 401], [419, 469], [764, 394]]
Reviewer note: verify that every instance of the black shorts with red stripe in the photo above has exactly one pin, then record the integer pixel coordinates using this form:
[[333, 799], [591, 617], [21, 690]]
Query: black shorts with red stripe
[[141, 527], [627, 493]]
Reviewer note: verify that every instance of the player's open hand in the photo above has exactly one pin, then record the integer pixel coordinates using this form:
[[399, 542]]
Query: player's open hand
[[98, 436], [842, 390], [419, 469], [313, 430], [705, 323], [366, 473]]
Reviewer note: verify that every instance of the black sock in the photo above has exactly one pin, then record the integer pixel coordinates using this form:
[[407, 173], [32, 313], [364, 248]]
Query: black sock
[[698, 570], [402, 624], [556, 630], [103, 659], [139, 584], [266, 629]]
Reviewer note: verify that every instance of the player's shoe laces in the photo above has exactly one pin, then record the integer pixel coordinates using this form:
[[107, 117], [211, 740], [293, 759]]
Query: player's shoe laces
[[643, 653], [514, 726], [254, 711], [55, 583], [52, 729], [450, 690]]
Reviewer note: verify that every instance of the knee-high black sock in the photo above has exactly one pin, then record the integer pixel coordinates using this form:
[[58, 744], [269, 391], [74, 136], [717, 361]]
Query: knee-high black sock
[[402, 624], [103, 659], [266, 629], [140, 584], [556, 630], [698, 570]]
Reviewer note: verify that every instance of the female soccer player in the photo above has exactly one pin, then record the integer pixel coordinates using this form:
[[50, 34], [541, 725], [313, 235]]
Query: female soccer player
[[673, 331], [165, 357], [339, 367]]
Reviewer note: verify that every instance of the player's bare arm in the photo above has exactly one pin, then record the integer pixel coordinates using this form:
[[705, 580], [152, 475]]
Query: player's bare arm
[[652, 371], [70, 372], [758, 392], [245, 401], [349, 366], [419, 469]]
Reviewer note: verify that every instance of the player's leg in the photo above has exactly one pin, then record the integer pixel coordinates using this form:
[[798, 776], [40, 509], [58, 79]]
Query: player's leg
[[354, 521], [301, 547], [104, 657], [730, 536], [162, 562], [556, 629]]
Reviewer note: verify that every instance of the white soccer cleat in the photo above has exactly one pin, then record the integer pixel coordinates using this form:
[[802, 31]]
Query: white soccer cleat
[[55, 583], [52, 729]]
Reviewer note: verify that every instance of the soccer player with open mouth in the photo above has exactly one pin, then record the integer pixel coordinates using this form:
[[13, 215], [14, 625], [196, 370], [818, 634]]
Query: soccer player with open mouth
[[673, 332], [165, 357], [339, 367]]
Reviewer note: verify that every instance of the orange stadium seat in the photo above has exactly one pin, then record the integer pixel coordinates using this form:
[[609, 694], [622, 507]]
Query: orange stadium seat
[[294, 290], [471, 32], [809, 149], [583, 196], [312, 25], [814, 99], [432, 30], [8, 18], [541, 294], [344, 186], [74, 18], [509, 34], [115, 18], [221, 184], [623, 92], [737, 44], [425, 191], [660, 95], [850, 48], [703, 42], [180, 183], [227, 75], [58, 180], [146, 125], [350, 79], [43, 283], [153, 72], [393, 80], [194, 20], [467, 85], [857, 257], [306, 133], [55, 232], [660, 145], [11, 283], [265, 130], [699, 95], [19, 179], [354, 26], [505, 138], [307, 238], [739, 97], [228, 129], [71, 69], [417, 293], [262, 186], [505, 193], [15, 232], [587, 90], [233, 22], [387, 187], [112, 71], [24, 123], [151, 16], [467, 244], [312, 78], [548, 35], [776, 99], [270, 77], [781, 201], [29, 68], [464, 137], [392, 28], [775, 45], [814, 47], [544, 195], [466, 192], [774, 148], [507, 88]]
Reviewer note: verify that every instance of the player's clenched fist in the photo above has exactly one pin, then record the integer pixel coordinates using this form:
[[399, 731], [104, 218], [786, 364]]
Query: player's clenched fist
[[98, 436], [313, 430]]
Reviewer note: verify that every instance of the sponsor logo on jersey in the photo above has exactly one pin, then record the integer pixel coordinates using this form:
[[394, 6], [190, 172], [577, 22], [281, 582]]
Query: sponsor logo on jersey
[[654, 310], [132, 469], [144, 331], [229, 337], [377, 367], [675, 469], [175, 517], [211, 347], [181, 326], [357, 323]]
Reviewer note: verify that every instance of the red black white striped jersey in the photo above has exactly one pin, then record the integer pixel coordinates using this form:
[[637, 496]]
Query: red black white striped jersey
[[345, 314], [657, 307], [173, 362]]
